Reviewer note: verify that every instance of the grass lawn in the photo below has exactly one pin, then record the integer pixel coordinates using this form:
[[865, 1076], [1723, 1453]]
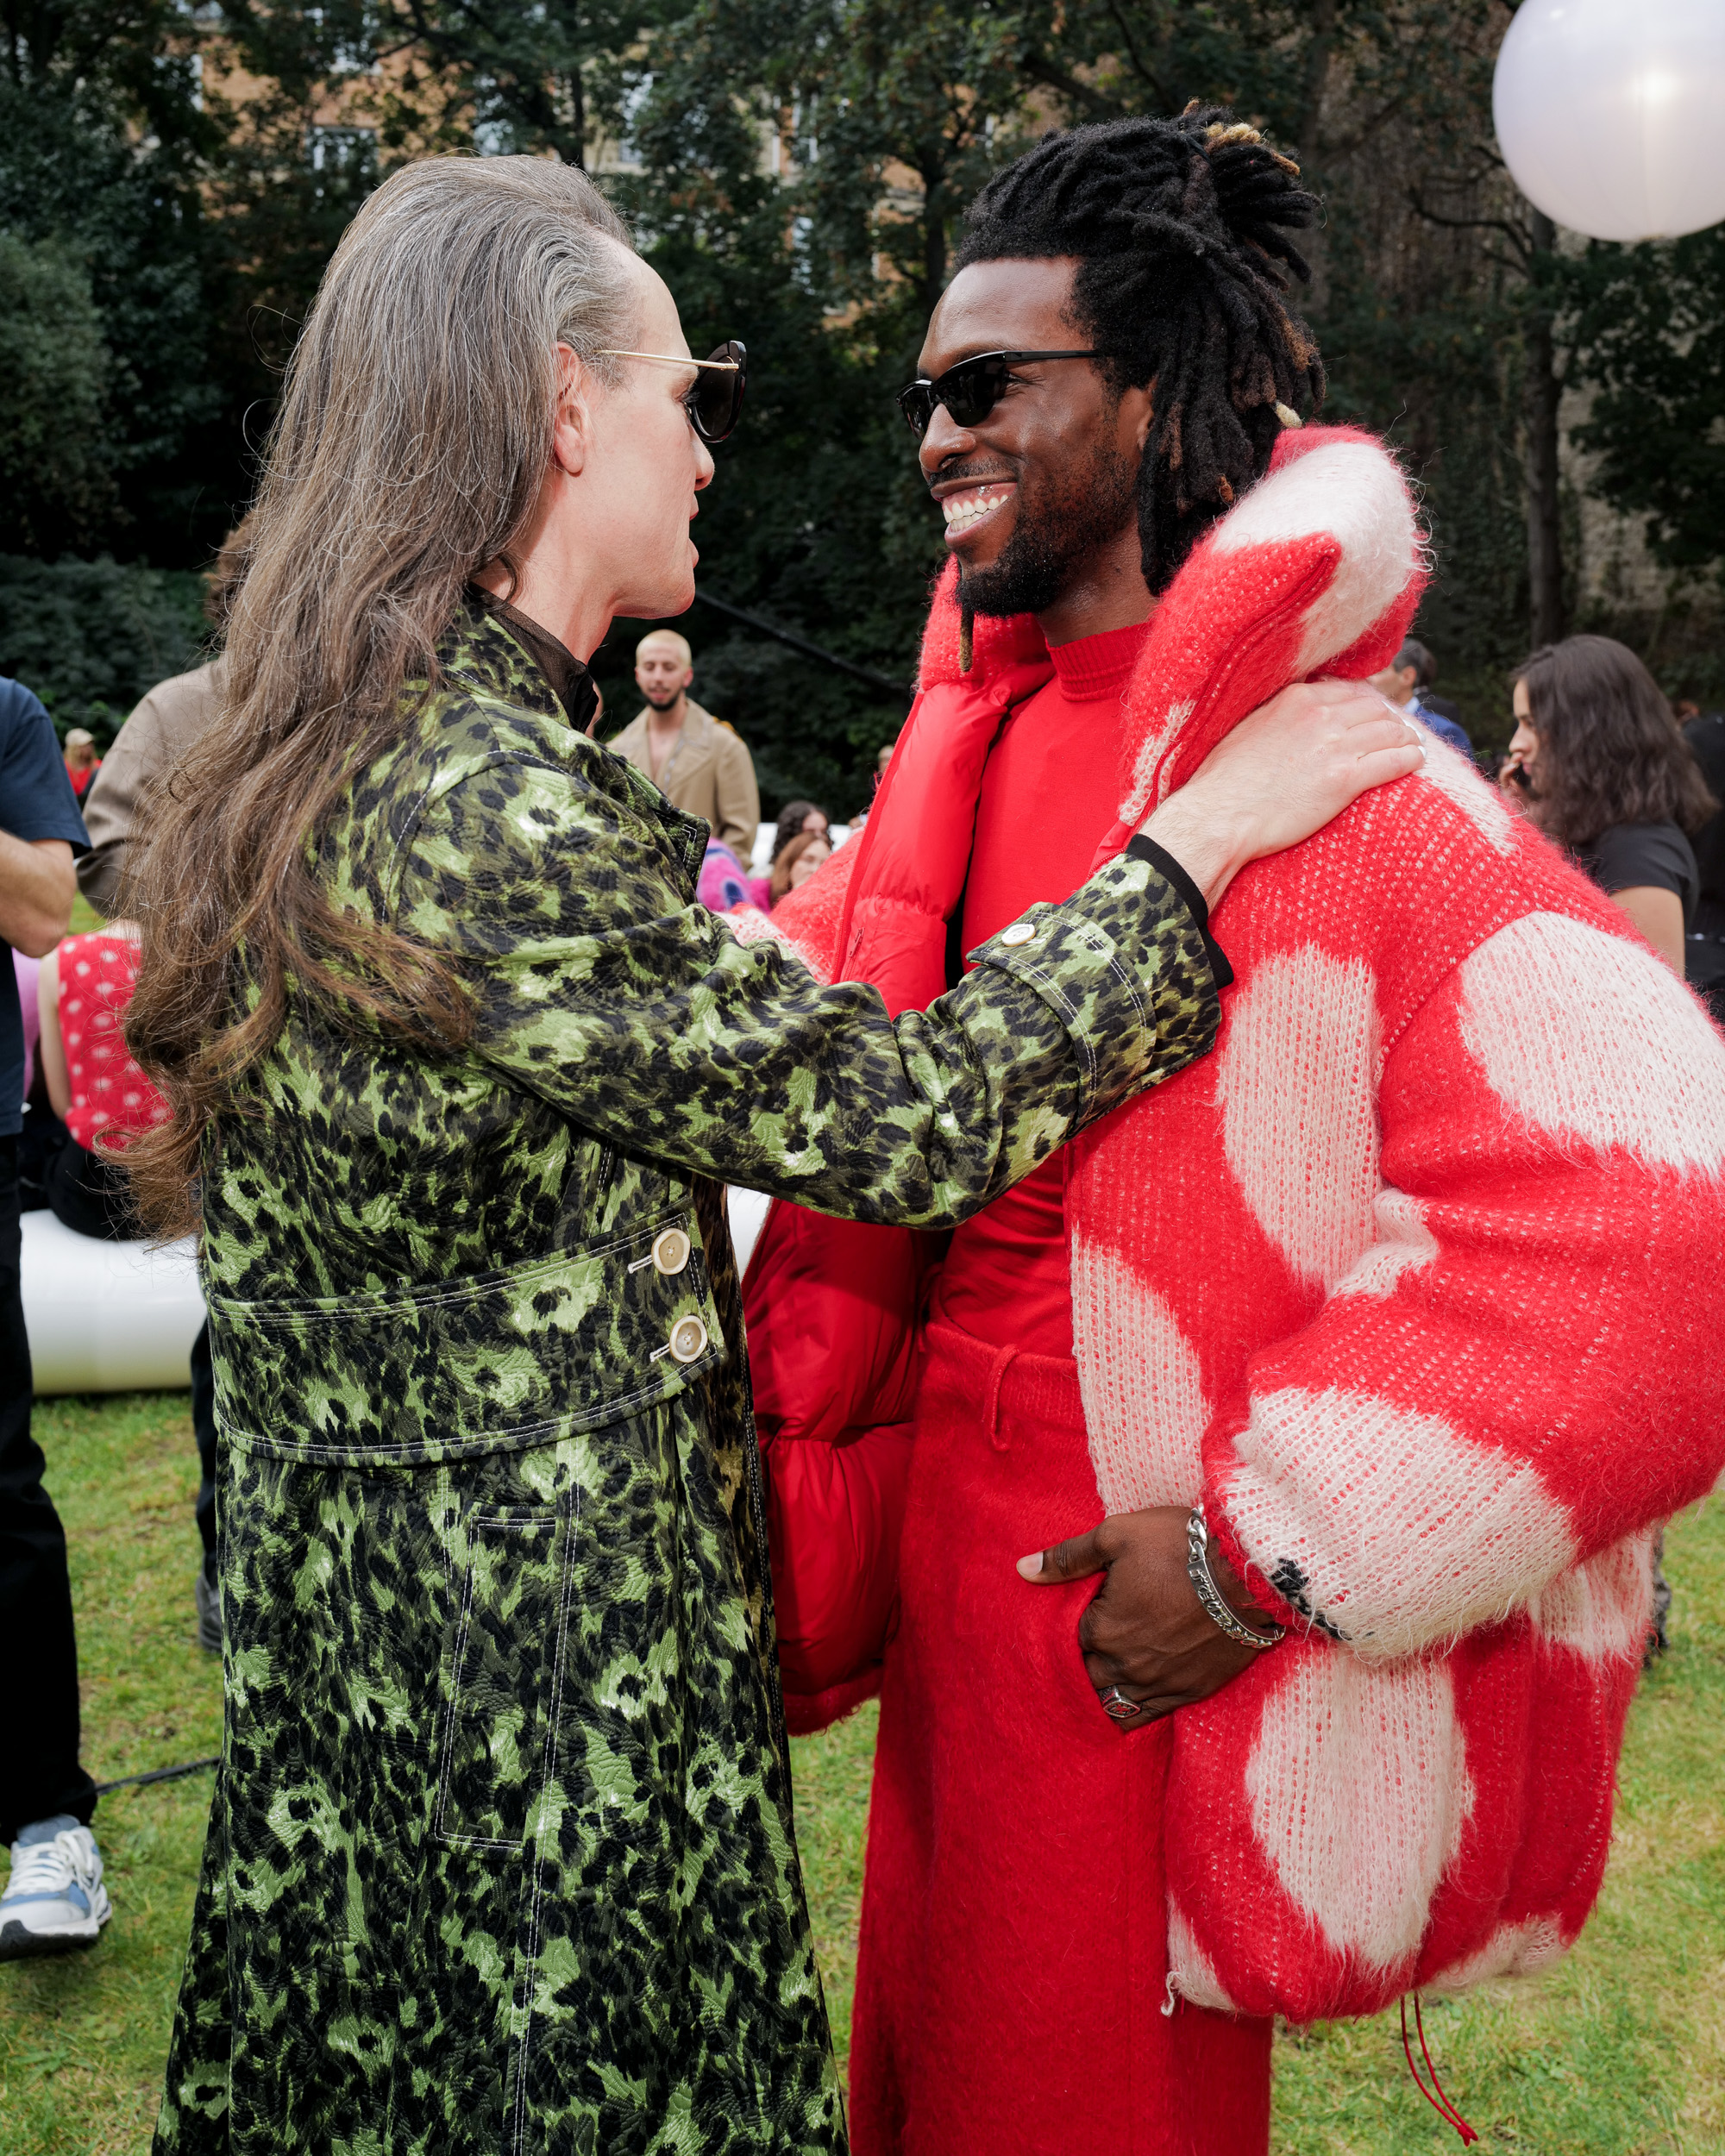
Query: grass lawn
[[1619, 2051]]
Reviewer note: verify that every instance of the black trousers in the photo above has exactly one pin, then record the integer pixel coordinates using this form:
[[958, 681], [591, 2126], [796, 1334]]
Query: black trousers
[[91, 1196], [204, 1429], [39, 1771]]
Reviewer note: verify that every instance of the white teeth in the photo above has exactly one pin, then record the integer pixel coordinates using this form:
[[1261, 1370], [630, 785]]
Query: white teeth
[[964, 511]]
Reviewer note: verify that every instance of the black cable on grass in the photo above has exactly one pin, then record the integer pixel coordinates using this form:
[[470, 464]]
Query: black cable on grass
[[1180, 228], [161, 1774]]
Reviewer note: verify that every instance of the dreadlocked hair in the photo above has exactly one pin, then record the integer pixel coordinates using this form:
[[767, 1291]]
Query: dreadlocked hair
[[1180, 230]]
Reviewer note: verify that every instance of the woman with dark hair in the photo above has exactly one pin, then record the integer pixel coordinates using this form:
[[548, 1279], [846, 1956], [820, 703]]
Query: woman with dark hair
[[501, 1852], [1599, 763], [796, 817], [796, 861]]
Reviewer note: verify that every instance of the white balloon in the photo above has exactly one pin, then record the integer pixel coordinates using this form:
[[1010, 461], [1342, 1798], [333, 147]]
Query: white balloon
[[1611, 114]]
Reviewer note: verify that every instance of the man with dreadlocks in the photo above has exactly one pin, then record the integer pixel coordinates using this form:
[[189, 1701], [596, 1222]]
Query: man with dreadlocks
[[1359, 1363]]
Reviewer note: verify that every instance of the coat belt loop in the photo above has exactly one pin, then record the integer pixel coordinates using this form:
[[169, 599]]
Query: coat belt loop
[[991, 1412]]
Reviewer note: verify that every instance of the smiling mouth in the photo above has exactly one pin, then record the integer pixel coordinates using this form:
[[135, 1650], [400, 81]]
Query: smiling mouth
[[973, 505]]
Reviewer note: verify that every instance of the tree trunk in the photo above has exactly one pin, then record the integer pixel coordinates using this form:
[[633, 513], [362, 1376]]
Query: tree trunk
[[1317, 74], [578, 114], [933, 243], [1542, 396]]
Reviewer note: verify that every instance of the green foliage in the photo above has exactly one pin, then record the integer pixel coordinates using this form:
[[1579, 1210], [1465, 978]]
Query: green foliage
[[84, 2037], [92, 638], [1619, 2051], [53, 478], [102, 149], [798, 170], [1650, 332]]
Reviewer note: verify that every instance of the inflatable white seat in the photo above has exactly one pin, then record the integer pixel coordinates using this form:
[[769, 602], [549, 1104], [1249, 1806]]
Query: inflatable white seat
[[108, 1317]]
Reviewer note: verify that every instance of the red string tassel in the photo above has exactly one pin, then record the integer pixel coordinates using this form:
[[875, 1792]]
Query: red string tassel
[[1440, 2103]]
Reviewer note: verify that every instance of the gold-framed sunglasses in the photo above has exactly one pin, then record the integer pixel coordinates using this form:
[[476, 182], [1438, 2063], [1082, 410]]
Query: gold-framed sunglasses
[[715, 403]]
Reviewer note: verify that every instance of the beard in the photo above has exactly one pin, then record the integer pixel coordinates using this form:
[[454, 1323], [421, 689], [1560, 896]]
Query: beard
[[1060, 520]]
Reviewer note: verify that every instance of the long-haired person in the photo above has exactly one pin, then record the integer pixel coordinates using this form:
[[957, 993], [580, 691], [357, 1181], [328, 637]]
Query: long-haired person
[[501, 1852], [1599, 763]]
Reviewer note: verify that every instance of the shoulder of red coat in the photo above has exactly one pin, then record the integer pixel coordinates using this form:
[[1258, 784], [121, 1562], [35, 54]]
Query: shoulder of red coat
[[1412, 879]]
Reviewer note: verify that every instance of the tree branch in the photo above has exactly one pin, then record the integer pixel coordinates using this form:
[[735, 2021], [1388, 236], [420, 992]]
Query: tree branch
[[1043, 70]]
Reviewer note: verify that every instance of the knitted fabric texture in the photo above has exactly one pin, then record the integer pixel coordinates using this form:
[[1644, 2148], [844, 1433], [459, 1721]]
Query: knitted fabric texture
[[1412, 1281]]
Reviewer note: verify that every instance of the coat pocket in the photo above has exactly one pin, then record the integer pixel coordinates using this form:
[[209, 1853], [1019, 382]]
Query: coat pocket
[[503, 1666]]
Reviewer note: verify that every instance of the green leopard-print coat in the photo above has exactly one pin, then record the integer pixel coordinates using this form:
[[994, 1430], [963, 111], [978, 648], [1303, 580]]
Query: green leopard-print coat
[[501, 1854]]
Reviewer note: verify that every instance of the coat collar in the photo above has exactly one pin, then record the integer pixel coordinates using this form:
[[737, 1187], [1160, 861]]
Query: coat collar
[[497, 648]]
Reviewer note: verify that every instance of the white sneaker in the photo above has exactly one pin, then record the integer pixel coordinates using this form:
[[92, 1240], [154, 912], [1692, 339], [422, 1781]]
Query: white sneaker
[[55, 1899]]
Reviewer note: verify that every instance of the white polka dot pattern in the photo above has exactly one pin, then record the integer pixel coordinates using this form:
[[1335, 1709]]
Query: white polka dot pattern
[[1404, 1244], [1143, 1391], [1604, 1607], [1402, 1528], [1590, 1035], [1360, 1790], [1296, 1078], [109, 1093]]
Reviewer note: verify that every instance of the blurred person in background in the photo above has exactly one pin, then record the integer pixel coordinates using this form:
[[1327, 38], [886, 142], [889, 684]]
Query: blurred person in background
[[883, 757], [55, 1899], [1598, 762], [82, 762], [695, 760], [795, 817], [796, 861], [158, 734], [1704, 731], [1407, 682], [83, 989]]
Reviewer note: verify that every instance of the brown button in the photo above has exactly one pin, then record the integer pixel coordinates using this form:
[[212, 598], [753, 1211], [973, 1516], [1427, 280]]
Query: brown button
[[1020, 933], [670, 1249], [688, 1339]]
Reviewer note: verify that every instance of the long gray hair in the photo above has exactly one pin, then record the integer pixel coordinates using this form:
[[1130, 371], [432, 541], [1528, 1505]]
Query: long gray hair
[[413, 439]]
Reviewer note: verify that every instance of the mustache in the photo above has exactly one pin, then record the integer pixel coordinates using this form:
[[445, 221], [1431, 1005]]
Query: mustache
[[971, 469]]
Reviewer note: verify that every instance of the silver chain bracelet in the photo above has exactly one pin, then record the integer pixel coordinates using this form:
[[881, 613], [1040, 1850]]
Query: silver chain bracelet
[[1204, 1586]]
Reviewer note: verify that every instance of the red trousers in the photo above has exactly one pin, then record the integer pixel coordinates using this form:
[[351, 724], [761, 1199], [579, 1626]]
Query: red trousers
[[1010, 1981]]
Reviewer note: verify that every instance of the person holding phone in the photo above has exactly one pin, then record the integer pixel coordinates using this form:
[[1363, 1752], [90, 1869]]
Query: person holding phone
[[1598, 762]]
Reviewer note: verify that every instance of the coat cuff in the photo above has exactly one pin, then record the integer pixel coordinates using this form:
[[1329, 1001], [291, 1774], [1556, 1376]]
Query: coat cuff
[[1125, 966]]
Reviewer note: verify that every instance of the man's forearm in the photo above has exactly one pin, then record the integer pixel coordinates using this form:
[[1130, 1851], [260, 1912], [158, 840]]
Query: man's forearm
[[37, 887]]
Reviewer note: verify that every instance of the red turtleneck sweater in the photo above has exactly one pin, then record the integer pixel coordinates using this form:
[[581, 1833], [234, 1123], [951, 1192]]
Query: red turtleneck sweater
[[1049, 794]]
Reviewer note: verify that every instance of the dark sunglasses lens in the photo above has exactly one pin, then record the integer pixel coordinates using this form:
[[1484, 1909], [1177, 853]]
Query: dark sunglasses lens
[[916, 401], [971, 390], [716, 401]]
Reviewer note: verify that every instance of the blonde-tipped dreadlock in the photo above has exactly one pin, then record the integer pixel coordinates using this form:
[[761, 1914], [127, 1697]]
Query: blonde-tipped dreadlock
[[1180, 229]]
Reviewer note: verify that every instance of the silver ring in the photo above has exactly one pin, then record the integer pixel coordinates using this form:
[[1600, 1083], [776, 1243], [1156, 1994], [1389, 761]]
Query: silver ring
[[1117, 1707]]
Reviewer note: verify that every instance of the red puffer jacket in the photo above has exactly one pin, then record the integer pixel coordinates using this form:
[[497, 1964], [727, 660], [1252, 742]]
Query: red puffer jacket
[[831, 1305]]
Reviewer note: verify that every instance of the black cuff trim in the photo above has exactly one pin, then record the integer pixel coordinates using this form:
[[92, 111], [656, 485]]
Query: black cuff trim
[[1196, 904]]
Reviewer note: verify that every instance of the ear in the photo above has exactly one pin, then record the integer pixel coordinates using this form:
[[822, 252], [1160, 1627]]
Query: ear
[[1138, 411], [572, 430]]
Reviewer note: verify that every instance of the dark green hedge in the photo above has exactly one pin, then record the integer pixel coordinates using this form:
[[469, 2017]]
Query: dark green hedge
[[92, 637]]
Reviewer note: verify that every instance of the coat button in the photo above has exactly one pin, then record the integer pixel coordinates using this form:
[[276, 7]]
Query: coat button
[[670, 1249], [688, 1339], [1020, 933]]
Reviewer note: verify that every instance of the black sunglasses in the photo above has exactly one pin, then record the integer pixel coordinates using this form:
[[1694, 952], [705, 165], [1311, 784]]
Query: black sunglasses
[[971, 390], [715, 403]]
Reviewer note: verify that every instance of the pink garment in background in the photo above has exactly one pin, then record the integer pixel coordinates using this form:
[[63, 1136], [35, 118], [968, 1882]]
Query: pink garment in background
[[26, 969]]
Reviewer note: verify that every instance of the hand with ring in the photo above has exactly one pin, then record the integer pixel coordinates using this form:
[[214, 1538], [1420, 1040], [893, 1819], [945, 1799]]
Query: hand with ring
[[1148, 1644]]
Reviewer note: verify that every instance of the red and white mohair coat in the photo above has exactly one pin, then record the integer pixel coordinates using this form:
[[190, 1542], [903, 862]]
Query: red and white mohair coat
[[1414, 1282]]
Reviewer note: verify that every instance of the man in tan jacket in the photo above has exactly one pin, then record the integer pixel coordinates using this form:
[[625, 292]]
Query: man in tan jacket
[[118, 809], [156, 737], [698, 763]]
